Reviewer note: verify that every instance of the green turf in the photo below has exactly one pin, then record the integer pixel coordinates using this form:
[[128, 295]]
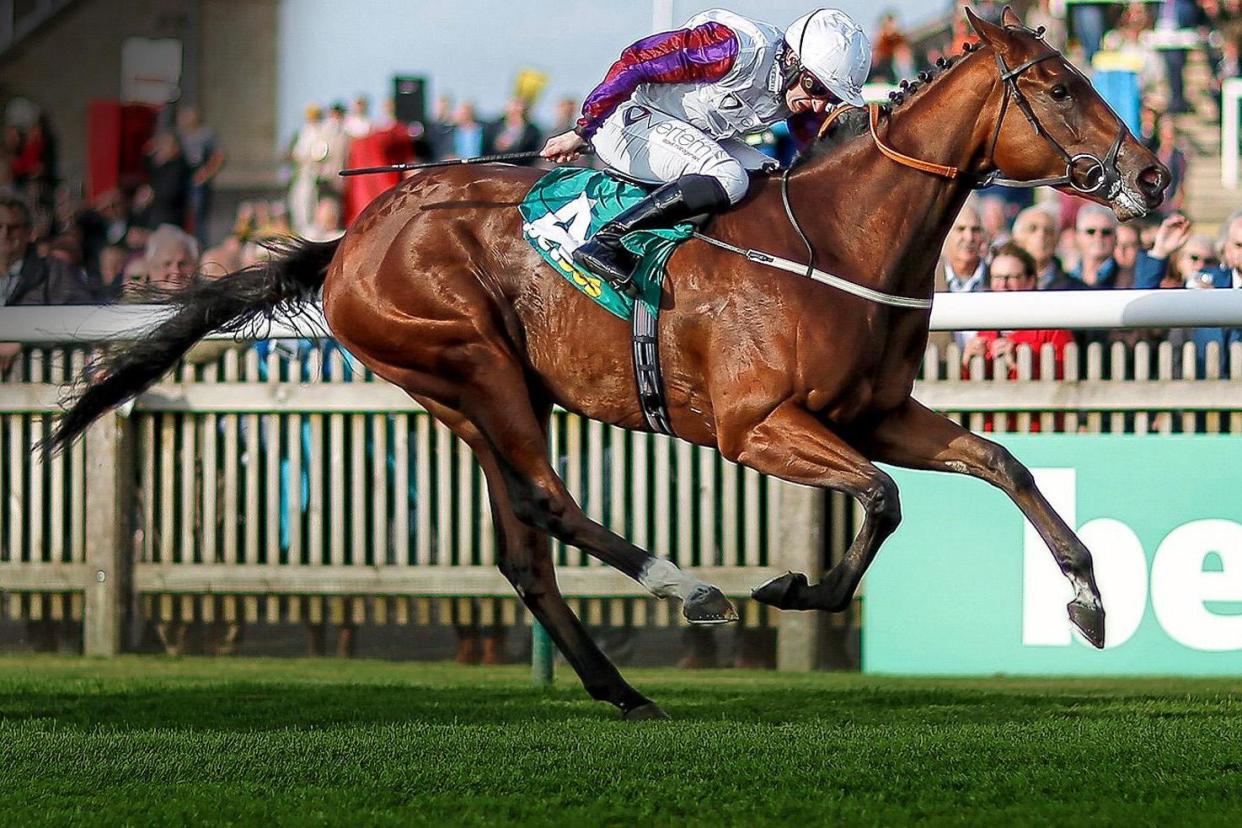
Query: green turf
[[295, 742]]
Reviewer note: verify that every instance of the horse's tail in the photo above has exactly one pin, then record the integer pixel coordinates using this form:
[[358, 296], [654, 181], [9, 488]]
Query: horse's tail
[[291, 277]]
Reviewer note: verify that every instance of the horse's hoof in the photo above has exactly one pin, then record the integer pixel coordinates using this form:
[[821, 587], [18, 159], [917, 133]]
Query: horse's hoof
[[1089, 619], [708, 605], [644, 713], [782, 591]]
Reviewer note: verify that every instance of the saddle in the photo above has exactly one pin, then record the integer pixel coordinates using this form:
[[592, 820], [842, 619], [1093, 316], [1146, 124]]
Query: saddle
[[563, 210]]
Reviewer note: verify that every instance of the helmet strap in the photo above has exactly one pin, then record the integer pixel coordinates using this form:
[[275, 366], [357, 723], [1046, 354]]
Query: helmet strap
[[791, 67]]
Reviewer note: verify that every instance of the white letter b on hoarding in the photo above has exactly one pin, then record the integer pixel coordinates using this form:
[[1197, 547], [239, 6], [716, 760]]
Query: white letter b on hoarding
[[1120, 571]]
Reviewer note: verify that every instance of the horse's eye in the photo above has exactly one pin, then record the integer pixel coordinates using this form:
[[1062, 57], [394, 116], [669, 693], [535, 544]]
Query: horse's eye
[[1059, 92]]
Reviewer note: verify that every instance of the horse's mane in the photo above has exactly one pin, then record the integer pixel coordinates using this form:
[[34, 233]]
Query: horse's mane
[[855, 122]]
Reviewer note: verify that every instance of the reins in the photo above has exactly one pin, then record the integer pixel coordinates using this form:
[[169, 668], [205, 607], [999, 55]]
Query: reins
[[1097, 175]]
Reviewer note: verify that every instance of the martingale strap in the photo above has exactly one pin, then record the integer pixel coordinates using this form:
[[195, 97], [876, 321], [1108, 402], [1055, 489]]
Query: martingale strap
[[870, 294]]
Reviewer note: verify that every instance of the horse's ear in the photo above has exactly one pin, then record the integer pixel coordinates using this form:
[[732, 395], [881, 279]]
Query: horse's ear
[[989, 33], [1010, 18]]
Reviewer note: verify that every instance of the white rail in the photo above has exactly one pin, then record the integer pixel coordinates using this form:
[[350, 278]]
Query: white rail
[[952, 311]]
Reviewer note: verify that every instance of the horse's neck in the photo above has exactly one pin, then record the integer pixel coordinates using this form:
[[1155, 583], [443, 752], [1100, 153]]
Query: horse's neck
[[901, 215]]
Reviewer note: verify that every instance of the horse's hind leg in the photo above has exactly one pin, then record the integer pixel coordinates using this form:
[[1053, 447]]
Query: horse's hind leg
[[526, 560], [498, 404], [793, 445], [918, 438]]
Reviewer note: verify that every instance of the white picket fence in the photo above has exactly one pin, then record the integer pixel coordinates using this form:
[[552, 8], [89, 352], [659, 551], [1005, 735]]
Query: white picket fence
[[305, 491]]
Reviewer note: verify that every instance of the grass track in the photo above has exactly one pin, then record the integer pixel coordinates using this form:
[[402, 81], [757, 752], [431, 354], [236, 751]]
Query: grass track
[[298, 742]]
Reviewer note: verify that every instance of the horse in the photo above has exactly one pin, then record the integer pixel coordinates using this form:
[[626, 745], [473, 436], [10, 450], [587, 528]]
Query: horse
[[435, 290]]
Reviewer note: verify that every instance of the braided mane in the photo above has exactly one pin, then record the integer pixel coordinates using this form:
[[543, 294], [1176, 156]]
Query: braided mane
[[855, 122]]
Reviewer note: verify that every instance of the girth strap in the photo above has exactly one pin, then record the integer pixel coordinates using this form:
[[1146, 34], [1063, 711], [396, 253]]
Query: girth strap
[[647, 369]]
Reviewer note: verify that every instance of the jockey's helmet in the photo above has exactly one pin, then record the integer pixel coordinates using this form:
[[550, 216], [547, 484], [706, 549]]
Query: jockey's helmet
[[834, 49]]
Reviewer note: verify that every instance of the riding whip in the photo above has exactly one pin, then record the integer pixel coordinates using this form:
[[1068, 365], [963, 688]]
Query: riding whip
[[480, 159]]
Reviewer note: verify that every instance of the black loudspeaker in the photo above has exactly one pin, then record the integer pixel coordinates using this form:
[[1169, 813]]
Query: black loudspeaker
[[409, 95]]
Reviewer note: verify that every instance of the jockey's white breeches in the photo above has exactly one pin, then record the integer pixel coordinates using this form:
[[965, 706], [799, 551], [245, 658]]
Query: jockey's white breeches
[[651, 146]]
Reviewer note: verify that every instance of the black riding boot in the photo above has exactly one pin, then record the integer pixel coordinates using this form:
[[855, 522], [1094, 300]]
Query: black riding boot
[[603, 253]]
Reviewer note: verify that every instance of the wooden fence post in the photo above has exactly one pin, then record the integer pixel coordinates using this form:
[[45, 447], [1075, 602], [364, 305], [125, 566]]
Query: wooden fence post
[[802, 514], [109, 495]]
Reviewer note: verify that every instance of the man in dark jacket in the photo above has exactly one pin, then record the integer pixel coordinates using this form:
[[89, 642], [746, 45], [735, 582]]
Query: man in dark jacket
[[27, 278]]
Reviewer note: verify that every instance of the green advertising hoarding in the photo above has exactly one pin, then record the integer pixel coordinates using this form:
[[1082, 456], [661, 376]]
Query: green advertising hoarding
[[965, 586]]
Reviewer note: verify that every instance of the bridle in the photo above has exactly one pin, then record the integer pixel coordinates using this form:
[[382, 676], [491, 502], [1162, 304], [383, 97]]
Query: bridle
[[1096, 176]]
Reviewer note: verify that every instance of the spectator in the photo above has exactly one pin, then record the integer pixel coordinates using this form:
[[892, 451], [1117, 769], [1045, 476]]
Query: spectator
[[66, 248], [111, 281], [220, 260], [1126, 253], [102, 226], [1096, 238], [514, 132], [892, 59], [34, 165], [327, 224], [962, 268], [205, 159], [1152, 266], [171, 259], [337, 141], [1012, 268], [1127, 39], [1175, 15], [1172, 153], [358, 121], [1088, 21], [1197, 258], [307, 154], [1041, 14], [170, 181], [469, 138], [27, 278], [440, 133], [1035, 231], [993, 214], [565, 117]]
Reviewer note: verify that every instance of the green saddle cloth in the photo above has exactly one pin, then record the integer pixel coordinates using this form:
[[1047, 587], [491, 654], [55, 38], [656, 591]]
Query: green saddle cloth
[[568, 205]]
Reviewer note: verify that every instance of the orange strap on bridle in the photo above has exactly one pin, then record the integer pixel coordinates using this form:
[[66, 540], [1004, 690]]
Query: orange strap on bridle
[[905, 160]]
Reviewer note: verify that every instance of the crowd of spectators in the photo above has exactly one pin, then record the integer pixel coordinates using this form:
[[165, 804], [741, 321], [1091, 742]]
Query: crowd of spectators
[[156, 235], [1093, 252]]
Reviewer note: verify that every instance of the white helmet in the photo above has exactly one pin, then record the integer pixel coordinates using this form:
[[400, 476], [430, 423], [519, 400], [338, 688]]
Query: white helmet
[[834, 49]]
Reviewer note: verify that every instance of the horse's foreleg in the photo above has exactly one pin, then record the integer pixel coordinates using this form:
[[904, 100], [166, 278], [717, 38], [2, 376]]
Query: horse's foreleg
[[916, 437], [793, 445], [526, 561]]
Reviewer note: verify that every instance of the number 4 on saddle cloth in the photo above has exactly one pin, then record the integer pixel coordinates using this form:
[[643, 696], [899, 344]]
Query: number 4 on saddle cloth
[[562, 211], [568, 205]]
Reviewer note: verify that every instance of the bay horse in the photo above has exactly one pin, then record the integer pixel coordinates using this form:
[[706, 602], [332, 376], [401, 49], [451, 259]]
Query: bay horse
[[435, 290]]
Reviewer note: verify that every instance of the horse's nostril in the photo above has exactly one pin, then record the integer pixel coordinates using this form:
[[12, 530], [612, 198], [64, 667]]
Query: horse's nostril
[[1153, 181]]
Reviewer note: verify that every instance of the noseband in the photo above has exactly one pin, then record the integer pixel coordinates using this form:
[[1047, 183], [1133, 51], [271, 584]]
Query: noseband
[[1097, 175]]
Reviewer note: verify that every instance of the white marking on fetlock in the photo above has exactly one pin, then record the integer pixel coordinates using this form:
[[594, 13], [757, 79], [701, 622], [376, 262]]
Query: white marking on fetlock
[[663, 579]]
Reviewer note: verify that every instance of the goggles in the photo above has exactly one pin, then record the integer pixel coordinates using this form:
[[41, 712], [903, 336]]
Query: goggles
[[811, 85]]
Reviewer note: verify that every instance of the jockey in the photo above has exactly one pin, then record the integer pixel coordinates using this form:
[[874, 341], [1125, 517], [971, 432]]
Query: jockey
[[673, 108]]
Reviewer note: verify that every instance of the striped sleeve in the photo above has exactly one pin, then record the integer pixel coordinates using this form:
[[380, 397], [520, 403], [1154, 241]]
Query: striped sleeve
[[700, 55]]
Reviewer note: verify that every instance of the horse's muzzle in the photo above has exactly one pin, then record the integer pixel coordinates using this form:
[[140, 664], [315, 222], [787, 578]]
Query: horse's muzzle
[[1152, 182]]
